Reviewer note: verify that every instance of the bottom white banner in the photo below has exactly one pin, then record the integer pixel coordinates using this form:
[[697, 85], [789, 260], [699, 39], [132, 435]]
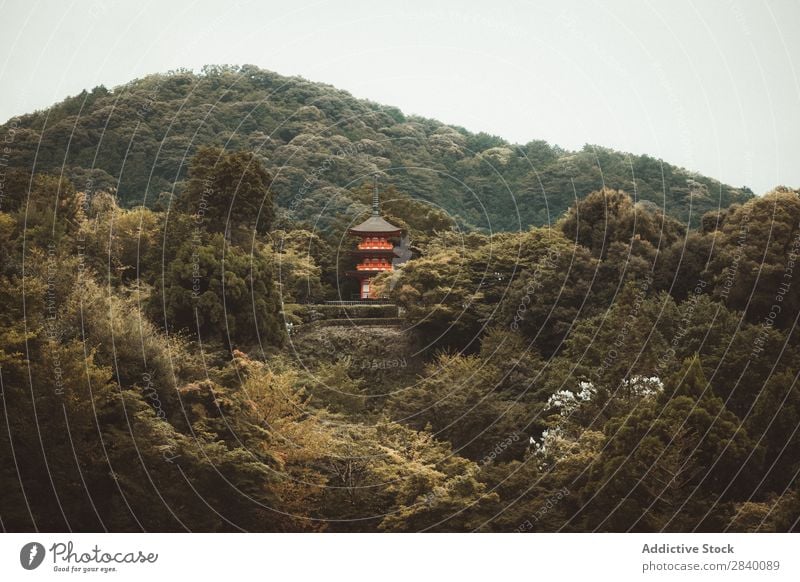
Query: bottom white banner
[[356, 557]]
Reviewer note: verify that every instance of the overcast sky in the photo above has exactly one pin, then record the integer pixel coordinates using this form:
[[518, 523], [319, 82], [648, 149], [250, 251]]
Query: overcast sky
[[713, 86]]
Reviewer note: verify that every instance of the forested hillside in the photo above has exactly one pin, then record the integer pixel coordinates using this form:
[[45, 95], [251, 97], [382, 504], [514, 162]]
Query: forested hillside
[[174, 366], [317, 142]]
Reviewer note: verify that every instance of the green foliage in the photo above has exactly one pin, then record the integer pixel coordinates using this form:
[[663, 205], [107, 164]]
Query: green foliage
[[400, 480], [334, 388], [298, 256], [760, 243], [221, 292], [607, 216], [315, 140], [613, 372], [665, 457], [228, 192], [458, 402]]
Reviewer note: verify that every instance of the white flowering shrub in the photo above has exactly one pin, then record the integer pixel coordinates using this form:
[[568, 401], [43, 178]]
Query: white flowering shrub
[[567, 401], [550, 447], [643, 386]]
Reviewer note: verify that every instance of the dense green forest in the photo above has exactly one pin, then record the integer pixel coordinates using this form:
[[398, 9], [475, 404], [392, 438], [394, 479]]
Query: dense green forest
[[168, 363], [317, 142]]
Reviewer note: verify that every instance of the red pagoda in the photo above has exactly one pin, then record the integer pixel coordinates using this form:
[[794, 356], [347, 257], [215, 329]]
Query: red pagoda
[[375, 252]]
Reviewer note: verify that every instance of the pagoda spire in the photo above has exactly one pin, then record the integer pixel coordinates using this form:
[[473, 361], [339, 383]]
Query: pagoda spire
[[375, 199]]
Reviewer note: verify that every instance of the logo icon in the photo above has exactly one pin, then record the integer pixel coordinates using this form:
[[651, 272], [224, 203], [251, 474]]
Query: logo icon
[[31, 555]]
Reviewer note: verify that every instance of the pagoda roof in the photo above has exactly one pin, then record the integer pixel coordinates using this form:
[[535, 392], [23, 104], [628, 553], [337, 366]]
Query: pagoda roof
[[375, 224]]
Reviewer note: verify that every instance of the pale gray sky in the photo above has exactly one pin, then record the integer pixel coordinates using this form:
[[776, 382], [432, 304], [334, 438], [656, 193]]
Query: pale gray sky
[[713, 86]]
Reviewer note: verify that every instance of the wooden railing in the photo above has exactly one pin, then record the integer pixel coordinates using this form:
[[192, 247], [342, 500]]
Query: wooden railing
[[375, 246], [374, 267]]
